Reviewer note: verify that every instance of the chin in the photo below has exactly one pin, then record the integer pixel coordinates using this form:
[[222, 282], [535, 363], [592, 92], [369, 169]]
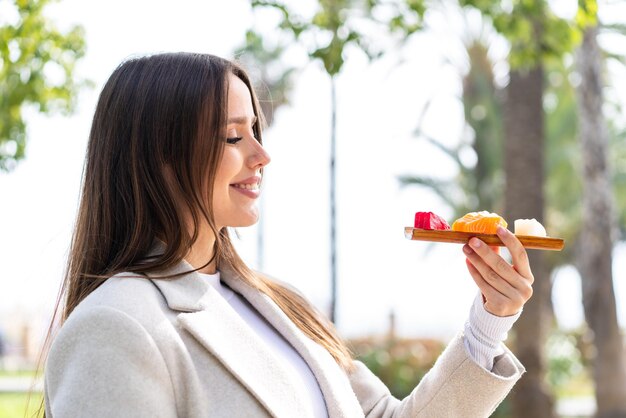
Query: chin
[[245, 224], [244, 221]]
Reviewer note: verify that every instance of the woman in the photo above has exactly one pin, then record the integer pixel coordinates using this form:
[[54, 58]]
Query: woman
[[162, 318]]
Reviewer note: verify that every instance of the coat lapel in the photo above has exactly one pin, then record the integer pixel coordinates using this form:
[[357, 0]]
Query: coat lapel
[[213, 323]]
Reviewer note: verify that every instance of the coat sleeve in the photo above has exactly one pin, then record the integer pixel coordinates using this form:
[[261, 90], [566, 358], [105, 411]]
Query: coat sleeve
[[455, 387], [103, 363]]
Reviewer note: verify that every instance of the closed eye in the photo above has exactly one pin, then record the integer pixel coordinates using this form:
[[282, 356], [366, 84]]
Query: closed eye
[[234, 140]]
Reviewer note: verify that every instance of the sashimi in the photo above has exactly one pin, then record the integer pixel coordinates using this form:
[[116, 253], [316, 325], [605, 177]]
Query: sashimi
[[530, 227], [431, 221], [480, 222]]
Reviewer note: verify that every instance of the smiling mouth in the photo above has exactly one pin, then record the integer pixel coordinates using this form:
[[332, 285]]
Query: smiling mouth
[[253, 186]]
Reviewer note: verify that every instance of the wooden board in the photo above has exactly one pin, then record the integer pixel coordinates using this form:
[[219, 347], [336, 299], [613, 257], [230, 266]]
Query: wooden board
[[531, 242]]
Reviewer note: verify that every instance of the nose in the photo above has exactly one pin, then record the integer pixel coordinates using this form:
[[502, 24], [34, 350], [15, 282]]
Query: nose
[[259, 157]]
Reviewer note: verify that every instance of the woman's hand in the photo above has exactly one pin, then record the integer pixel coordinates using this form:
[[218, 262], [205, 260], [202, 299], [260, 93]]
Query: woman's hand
[[505, 287]]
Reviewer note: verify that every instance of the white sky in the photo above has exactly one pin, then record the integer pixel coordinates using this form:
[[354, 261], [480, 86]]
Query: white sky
[[379, 270]]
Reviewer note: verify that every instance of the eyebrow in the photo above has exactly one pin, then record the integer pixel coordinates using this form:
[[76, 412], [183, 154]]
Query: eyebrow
[[241, 120]]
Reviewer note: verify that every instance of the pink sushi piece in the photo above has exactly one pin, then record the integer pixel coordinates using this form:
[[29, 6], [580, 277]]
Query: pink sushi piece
[[429, 220]]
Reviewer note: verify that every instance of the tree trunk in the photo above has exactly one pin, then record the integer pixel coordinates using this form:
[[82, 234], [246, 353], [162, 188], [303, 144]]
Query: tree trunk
[[524, 171], [595, 253]]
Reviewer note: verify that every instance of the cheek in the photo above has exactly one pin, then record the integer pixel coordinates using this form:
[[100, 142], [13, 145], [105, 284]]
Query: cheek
[[228, 168]]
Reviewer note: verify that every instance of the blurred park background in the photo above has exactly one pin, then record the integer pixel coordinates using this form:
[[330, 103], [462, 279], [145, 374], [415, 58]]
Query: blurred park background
[[376, 109]]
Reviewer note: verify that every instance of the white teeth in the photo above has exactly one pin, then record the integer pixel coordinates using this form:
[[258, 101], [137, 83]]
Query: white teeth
[[254, 186]]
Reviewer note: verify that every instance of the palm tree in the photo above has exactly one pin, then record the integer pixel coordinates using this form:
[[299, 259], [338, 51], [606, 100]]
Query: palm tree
[[563, 158], [525, 176], [509, 131], [595, 252]]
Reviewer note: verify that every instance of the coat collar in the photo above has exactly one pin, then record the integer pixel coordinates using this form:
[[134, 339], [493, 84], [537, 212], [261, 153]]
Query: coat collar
[[187, 293], [209, 318]]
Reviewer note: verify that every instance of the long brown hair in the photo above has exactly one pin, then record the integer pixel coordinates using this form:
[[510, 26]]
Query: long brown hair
[[156, 110]]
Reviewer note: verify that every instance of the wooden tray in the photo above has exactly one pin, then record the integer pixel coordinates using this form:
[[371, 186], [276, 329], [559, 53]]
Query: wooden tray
[[531, 242]]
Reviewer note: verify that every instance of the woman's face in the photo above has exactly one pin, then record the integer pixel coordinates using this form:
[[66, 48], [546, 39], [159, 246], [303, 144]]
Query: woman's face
[[236, 186]]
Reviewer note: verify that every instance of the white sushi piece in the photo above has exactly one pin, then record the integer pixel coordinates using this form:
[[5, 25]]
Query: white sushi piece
[[529, 227]]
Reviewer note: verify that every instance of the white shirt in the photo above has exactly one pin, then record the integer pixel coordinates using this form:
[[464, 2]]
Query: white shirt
[[485, 332], [305, 382]]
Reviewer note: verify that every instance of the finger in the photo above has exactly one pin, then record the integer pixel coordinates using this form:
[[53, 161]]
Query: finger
[[495, 302], [497, 264], [495, 249], [489, 275], [489, 292], [518, 253]]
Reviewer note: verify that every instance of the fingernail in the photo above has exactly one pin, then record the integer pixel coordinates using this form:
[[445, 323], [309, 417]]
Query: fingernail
[[501, 230], [467, 250], [475, 242]]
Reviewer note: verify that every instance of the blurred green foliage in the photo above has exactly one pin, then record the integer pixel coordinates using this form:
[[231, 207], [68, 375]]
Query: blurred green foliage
[[565, 361], [533, 31], [14, 405], [271, 80], [37, 64], [402, 363], [333, 30], [399, 363]]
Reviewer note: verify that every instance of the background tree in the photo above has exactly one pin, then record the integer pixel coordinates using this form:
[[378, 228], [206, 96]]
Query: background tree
[[523, 162], [522, 117], [37, 64], [562, 159], [535, 35], [595, 260]]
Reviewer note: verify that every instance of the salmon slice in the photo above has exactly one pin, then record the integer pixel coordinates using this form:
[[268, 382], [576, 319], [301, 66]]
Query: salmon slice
[[480, 222]]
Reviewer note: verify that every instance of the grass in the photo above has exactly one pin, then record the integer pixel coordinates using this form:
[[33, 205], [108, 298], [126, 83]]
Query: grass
[[17, 373], [578, 386], [13, 405]]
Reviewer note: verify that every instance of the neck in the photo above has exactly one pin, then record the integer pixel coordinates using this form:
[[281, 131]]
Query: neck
[[201, 252]]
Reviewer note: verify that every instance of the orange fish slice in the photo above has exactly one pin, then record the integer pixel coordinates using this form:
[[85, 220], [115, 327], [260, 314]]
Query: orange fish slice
[[480, 222]]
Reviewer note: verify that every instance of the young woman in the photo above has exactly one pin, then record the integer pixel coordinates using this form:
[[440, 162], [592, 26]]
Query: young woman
[[161, 317]]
